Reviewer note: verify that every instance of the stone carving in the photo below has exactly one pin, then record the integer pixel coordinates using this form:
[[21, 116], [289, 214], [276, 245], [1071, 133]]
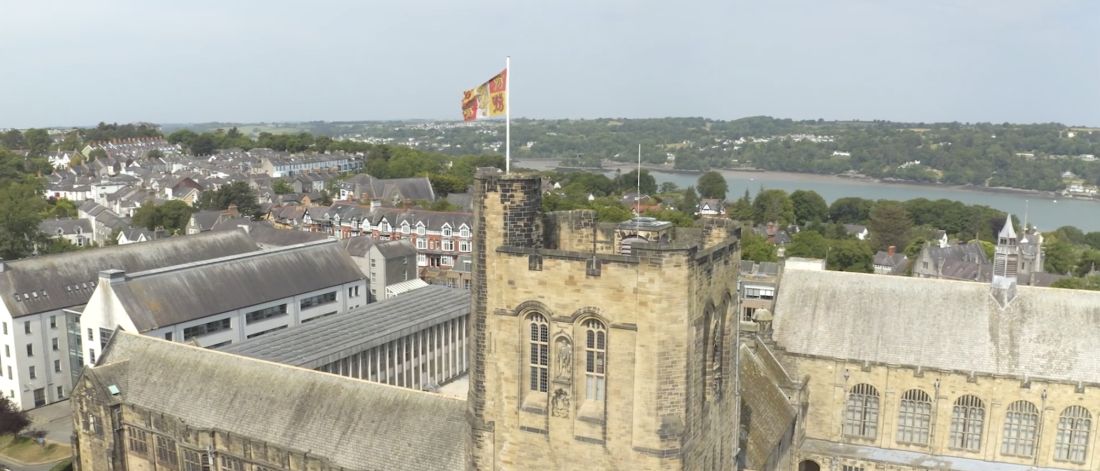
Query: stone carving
[[559, 406], [565, 358]]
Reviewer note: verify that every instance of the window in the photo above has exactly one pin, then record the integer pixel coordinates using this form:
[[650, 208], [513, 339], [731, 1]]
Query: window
[[268, 331], [405, 228], [445, 260], [57, 366], [372, 263], [420, 230], [446, 231], [230, 464], [33, 375], [967, 418], [90, 335], [27, 327], [540, 352], [54, 345], [192, 461], [204, 329], [91, 355], [60, 393], [53, 322], [1021, 424], [914, 417], [104, 336], [266, 313], [759, 293], [448, 246], [168, 336], [463, 246], [1072, 443], [464, 232], [595, 360], [421, 259], [5, 328], [862, 414], [466, 284], [422, 244], [851, 468], [318, 300], [30, 349], [138, 443]]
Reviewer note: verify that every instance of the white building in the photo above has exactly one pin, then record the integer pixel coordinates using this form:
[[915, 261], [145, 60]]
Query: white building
[[40, 342], [221, 301]]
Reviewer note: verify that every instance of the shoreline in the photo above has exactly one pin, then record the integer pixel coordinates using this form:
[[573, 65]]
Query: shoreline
[[551, 164]]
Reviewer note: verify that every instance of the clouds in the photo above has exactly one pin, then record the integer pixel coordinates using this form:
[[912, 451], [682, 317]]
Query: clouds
[[75, 62]]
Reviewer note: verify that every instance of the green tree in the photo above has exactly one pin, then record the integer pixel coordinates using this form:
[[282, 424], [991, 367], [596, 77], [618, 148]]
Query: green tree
[[23, 206], [756, 248], [444, 185], [668, 188], [1059, 255], [13, 420], [628, 182], [59, 245], [1089, 261], [60, 208], [1092, 239], [282, 187], [689, 202], [96, 154], [809, 206], [38, 141], [174, 215], [741, 210], [712, 185], [889, 225], [850, 210], [12, 139], [851, 255], [154, 154], [809, 244], [1091, 283], [773, 206], [237, 193], [203, 145], [987, 247], [677, 218]]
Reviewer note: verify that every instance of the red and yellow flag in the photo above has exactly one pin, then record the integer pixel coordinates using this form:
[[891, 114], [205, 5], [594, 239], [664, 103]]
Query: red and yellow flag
[[490, 99]]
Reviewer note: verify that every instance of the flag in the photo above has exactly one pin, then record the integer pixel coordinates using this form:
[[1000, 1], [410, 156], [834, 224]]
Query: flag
[[490, 99]]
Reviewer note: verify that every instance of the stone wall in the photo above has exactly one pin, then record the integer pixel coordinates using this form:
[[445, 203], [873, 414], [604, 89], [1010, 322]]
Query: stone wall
[[664, 405]]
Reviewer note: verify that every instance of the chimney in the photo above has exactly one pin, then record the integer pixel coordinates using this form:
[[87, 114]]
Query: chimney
[[112, 276], [375, 204], [245, 227], [891, 250]]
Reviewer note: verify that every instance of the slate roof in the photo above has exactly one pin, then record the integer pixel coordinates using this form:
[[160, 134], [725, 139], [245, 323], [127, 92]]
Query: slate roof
[[333, 338], [175, 294], [896, 262], [53, 277], [66, 226], [432, 220], [771, 412], [355, 424], [1043, 333], [205, 220]]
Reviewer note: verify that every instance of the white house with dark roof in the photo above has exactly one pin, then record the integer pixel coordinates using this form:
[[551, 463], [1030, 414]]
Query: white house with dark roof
[[76, 231], [40, 340], [220, 301]]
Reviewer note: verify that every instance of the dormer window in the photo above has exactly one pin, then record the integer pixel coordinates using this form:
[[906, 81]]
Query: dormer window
[[446, 231], [420, 229], [464, 232], [405, 227]]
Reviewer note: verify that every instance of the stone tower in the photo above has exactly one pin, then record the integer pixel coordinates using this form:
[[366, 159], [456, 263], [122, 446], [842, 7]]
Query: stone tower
[[1006, 262], [598, 346]]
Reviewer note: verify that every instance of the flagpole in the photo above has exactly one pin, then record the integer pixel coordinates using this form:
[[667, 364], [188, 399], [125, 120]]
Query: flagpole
[[508, 115]]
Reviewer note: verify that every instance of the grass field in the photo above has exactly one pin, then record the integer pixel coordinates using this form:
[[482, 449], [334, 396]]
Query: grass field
[[25, 450]]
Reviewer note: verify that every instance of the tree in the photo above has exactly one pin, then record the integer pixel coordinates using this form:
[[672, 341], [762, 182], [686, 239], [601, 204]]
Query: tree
[[889, 225], [987, 247], [237, 193], [447, 184], [809, 206], [741, 210], [1090, 283], [851, 255], [60, 208], [96, 154], [23, 206], [628, 182], [12, 419], [712, 185], [154, 154], [668, 188], [773, 206], [756, 248], [282, 187], [1089, 261], [203, 145], [12, 139], [38, 141], [850, 210], [808, 244], [689, 202], [1059, 256]]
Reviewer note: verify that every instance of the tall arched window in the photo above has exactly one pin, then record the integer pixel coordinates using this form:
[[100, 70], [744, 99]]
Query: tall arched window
[[862, 419], [595, 360], [1072, 443], [539, 358], [716, 336], [967, 418], [914, 417], [1021, 427]]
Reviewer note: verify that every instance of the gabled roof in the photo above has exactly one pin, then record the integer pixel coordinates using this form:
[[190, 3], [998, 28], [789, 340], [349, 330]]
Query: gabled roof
[[175, 294], [66, 226], [354, 424], [959, 326], [53, 277]]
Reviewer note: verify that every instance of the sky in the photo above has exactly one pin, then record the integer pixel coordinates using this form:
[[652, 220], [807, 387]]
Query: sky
[[76, 63]]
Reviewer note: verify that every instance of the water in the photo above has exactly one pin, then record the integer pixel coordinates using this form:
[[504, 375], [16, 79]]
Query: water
[[1044, 212]]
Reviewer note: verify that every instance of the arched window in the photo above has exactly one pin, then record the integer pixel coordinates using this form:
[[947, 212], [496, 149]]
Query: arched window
[[539, 359], [1021, 425], [862, 420], [595, 360], [914, 417], [967, 418], [1072, 443]]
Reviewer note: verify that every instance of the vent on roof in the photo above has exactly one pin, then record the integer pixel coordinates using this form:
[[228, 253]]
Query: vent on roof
[[35, 293], [17, 298], [113, 389]]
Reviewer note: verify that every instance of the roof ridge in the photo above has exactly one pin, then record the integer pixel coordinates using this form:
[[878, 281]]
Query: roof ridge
[[228, 258]]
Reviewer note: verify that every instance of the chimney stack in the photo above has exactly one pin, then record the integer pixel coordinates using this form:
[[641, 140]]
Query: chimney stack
[[891, 250], [112, 276], [375, 204]]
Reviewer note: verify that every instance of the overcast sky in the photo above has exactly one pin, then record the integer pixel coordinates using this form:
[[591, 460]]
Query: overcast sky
[[77, 62]]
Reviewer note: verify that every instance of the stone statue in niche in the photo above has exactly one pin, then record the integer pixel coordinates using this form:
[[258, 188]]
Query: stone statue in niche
[[559, 405], [565, 358]]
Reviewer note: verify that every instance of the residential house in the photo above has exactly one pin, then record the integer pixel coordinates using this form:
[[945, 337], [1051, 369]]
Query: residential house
[[220, 301], [204, 221], [155, 405], [388, 265], [709, 207], [392, 191], [756, 286], [106, 224], [278, 167], [940, 238], [266, 235], [890, 262], [40, 341], [858, 231], [968, 262], [773, 233], [358, 343], [77, 231]]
